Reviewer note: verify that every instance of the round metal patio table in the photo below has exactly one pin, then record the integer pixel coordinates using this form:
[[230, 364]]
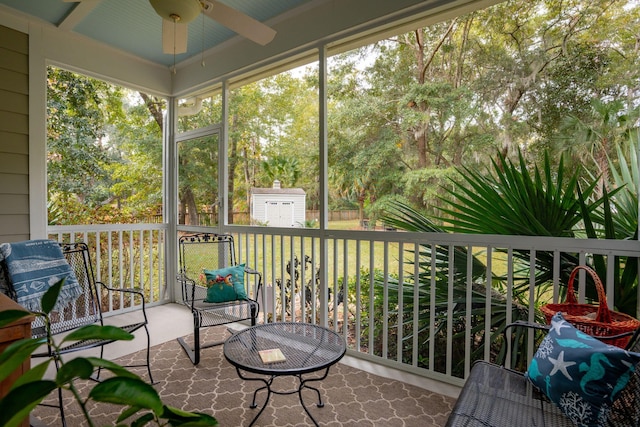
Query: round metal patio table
[[307, 348]]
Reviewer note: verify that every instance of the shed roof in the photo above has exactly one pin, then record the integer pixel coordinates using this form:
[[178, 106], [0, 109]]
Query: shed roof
[[255, 190]]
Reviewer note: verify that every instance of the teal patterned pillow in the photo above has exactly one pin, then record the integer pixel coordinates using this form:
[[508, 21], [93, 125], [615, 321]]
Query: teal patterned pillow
[[225, 284], [579, 373]]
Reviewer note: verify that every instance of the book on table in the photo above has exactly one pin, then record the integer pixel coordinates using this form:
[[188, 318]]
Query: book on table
[[272, 355]]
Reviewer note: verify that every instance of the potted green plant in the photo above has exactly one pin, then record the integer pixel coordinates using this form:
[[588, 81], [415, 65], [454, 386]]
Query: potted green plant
[[141, 403]]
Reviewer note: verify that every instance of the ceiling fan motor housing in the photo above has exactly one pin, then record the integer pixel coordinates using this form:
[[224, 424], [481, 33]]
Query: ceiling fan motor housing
[[183, 11]]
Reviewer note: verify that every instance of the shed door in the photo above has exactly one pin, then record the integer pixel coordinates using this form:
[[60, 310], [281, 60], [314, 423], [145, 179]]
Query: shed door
[[279, 214]]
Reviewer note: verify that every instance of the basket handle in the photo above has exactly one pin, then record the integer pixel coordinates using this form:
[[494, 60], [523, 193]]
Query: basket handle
[[603, 315]]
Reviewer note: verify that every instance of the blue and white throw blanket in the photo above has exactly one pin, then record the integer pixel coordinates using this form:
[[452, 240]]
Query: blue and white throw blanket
[[36, 265]]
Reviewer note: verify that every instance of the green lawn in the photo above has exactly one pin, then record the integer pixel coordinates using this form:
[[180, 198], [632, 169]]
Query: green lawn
[[273, 254]]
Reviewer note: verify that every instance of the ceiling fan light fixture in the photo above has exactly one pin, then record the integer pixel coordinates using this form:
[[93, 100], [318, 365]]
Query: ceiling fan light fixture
[[185, 10]]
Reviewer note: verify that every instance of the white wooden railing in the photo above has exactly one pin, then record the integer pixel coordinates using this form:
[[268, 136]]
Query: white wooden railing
[[316, 293], [124, 256]]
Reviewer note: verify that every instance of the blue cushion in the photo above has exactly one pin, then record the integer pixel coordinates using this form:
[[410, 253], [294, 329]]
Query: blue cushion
[[225, 284], [579, 373]]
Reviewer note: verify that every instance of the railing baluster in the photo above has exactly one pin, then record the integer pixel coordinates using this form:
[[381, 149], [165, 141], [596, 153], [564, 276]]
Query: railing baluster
[[400, 310], [314, 287], [334, 270], [370, 344], [509, 317], [292, 275], [385, 301], [488, 299], [432, 308], [344, 289], [449, 349], [358, 314], [468, 306]]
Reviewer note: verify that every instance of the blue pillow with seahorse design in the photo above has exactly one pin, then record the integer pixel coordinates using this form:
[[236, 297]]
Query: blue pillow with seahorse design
[[225, 284], [579, 373]]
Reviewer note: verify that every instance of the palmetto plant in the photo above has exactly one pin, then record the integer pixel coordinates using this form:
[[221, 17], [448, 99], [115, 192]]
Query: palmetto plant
[[618, 219], [442, 265], [511, 200]]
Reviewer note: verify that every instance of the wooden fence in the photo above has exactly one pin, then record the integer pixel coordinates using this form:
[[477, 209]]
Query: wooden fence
[[242, 218]]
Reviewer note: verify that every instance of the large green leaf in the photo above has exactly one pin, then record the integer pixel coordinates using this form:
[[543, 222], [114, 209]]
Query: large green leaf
[[36, 373], [15, 354], [143, 420], [118, 370], [75, 368], [132, 410], [17, 404], [178, 417], [51, 296], [9, 316], [97, 332], [127, 391]]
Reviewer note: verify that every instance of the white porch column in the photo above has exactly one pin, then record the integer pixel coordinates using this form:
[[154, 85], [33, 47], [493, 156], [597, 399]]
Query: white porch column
[[170, 196], [324, 184]]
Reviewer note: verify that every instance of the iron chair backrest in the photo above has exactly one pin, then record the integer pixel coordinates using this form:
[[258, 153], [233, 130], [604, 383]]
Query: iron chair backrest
[[203, 251], [85, 310]]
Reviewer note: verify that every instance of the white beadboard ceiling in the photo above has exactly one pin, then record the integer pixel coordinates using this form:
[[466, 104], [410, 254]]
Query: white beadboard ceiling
[[133, 26]]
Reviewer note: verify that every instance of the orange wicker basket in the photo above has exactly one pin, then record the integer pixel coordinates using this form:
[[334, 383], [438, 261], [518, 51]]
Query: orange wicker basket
[[604, 324]]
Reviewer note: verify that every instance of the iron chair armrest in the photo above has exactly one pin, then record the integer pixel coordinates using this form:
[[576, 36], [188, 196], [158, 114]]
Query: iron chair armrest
[[541, 327], [538, 326], [255, 272], [187, 281], [525, 324], [129, 291]]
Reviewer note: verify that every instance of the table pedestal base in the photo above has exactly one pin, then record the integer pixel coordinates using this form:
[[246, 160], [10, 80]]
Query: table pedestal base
[[303, 383]]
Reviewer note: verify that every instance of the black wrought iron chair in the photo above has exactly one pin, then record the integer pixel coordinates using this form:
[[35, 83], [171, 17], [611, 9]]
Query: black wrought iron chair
[[85, 309], [206, 260]]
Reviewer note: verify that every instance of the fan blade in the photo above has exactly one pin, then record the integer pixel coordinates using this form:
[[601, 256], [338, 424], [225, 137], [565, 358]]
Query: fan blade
[[174, 37], [80, 11], [239, 22]]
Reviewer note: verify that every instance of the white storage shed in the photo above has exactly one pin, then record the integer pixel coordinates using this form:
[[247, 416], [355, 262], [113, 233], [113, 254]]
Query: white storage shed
[[278, 207]]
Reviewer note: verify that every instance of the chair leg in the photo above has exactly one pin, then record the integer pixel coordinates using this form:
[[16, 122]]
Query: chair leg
[[60, 400], [64, 422], [148, 354], [196, 346], [193, 353], [97, 378]]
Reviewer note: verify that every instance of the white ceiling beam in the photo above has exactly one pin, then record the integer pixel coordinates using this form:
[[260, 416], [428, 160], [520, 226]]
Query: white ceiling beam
[[77, 14]]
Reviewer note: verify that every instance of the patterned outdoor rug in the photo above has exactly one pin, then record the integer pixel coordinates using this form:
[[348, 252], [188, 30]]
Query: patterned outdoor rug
[[352, 397]]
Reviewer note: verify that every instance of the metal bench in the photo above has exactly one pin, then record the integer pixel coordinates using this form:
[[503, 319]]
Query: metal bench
[[496, 396]]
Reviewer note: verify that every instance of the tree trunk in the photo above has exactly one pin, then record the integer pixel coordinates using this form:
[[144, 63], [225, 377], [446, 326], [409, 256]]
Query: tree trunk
[[189, 203], [420, 134], [361, 207], [154, 105]]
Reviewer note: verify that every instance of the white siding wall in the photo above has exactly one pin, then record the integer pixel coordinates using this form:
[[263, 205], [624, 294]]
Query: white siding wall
[[14, 135]]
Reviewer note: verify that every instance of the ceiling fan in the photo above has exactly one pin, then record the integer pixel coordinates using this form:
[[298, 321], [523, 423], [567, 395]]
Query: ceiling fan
[[176, 14]]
